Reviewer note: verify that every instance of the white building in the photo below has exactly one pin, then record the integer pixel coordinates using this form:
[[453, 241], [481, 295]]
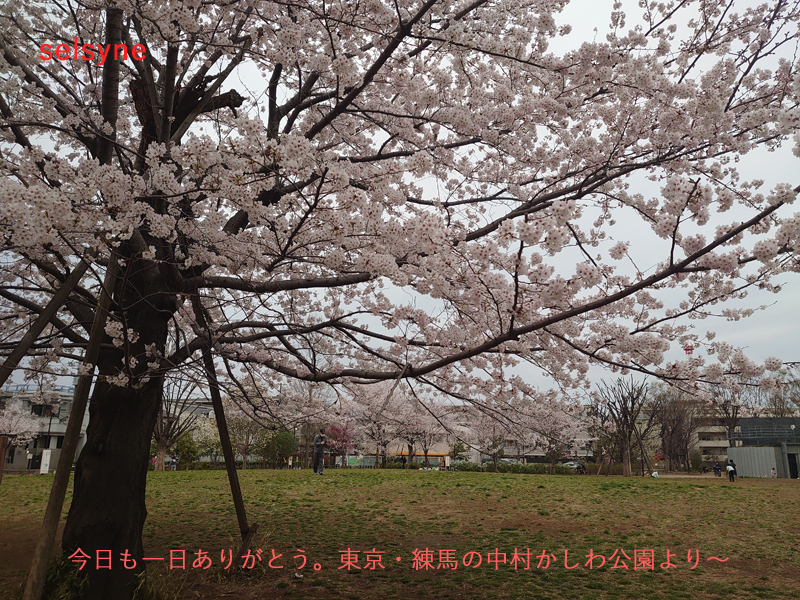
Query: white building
[[52, 425]]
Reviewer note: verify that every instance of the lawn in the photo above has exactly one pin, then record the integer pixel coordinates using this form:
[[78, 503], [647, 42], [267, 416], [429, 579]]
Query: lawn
[[380, 516]]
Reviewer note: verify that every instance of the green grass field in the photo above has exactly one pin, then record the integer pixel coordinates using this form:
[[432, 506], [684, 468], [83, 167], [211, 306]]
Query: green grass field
[[755, 524]]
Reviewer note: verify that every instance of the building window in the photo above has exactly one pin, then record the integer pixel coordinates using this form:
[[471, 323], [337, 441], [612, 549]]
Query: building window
[[41, 410], [44, 441]]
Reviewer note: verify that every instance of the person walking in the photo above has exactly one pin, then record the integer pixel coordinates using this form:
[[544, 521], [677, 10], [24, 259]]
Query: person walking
[[320, 443], [717, 470], [731, 472]]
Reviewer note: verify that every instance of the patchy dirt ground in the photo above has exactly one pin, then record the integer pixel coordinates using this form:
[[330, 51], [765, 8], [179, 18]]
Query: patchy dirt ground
[[754, 523]]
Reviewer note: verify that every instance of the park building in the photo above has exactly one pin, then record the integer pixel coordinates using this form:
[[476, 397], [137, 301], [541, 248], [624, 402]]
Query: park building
[[52, 417], [766, 443]]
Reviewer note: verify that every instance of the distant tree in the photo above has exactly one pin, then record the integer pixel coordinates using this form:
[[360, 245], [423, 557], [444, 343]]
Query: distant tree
[[783, 400], [275, 446], [342, 438], [206, 436], [779, 405], [185, 450], [178, 414], [243, 429], [17, 428], [791, 388], [369, 405], [696, 460], [459, 451], [679, 415], [557, 428], [417, 425], [731, 402], [617, 407], [489, 433]]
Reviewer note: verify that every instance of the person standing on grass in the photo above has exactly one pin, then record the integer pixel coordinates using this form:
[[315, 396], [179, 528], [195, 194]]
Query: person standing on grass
[[731, 472], [320, 443]]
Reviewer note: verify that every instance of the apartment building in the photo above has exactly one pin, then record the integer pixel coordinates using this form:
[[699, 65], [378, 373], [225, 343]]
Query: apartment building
[[52, 419]]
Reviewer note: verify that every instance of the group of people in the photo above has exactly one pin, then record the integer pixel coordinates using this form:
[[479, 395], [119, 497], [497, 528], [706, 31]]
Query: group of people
[[730, 468]]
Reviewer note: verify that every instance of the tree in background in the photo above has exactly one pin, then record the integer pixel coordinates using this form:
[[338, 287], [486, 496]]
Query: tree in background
[[617, 407], [679, 415], [342, 438], [178, 414], [459, 451], [206, 437], [791, 385], [730, 404], [244, 431], [488, 434], [418, 423], [186, 451], [441, 150], [432, 430], [369, 404], [783, 400], [17, 428], [779, 405], [275, 446], [557, 428]]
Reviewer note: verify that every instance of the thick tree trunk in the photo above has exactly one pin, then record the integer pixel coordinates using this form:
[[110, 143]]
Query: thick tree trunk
[[108, 506]]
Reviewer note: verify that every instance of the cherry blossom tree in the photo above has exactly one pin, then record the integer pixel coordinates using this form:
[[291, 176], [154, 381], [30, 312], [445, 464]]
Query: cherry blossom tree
[[557, 428], [432, 430], [17, 428], [369, 408], [206, 436], [421, 190], [428, 420], [418, 423], [342, 438], [488, 432], [244, 431]]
